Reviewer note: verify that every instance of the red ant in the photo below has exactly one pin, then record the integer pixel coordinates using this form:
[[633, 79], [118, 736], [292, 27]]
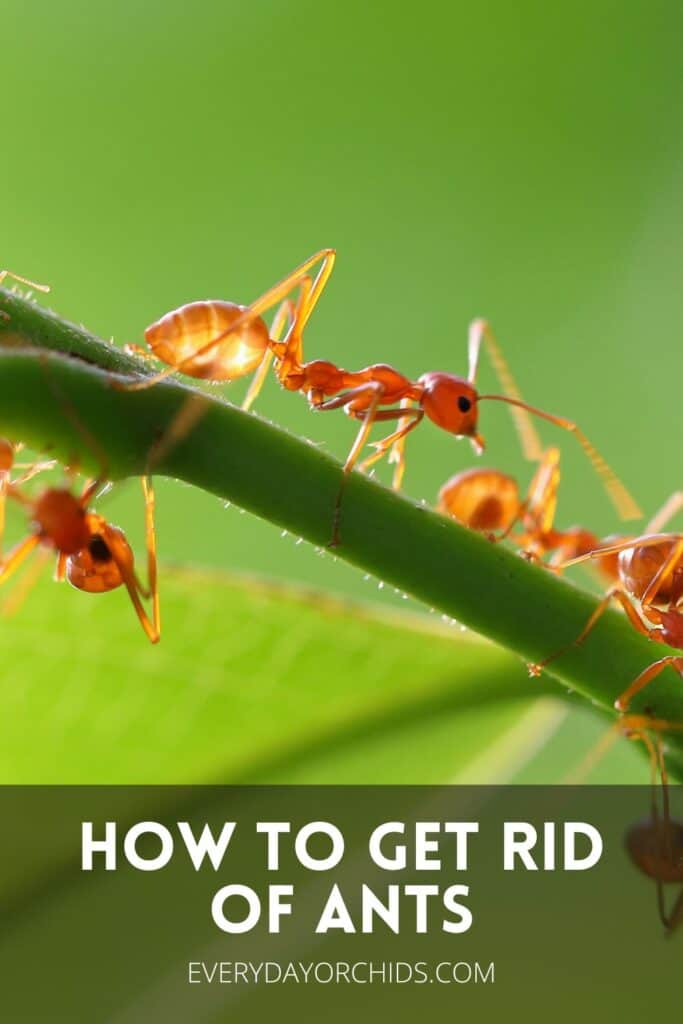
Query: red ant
[[489, 501], [92, 554], [22, 280], [650, 590], [219, 341]]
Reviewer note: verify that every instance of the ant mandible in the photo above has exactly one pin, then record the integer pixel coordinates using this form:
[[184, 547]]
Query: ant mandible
[[92, 554], [650, 591], [219, 341], [489, 501]]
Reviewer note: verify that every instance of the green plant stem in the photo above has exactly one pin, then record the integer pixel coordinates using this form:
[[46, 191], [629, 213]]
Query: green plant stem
[[261, 468]]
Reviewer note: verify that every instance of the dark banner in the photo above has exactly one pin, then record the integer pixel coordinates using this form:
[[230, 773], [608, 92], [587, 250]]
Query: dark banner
[[127, 905]]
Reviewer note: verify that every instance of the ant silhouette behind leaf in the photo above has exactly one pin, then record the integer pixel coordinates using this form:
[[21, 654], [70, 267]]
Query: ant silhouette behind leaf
[[216, 340], [655, 846]]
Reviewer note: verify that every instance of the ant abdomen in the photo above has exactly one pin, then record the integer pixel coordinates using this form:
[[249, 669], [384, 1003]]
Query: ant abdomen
[[184, 336], [657, 851], [94, 568], [483, 499], [640, 565]]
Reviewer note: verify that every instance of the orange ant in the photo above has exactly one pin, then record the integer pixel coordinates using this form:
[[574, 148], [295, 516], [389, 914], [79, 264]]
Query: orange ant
[[650, 590], [489, 501], [219, 341], [92, 554], [22, 280]]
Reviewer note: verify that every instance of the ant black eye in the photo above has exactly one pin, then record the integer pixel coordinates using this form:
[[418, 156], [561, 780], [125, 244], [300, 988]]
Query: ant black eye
[[464, 404]]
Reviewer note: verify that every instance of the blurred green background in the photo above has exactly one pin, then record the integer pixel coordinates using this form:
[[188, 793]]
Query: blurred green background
[[521, 162]]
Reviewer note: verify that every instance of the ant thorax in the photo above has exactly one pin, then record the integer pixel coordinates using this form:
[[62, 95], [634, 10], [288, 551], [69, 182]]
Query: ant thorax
[[61, 520], [640, 565]]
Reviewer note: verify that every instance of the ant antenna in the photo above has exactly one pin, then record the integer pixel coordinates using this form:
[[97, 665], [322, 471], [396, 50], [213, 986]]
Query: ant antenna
[[528, 435], [23, 280], [622, 500]]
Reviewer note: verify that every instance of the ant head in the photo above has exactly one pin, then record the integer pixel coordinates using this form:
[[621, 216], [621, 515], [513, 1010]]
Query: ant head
[[451, 403], [94, 568], [60, 520]]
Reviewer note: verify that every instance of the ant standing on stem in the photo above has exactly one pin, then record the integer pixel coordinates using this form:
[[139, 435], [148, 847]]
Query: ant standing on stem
[[218, 340], [649, 589]]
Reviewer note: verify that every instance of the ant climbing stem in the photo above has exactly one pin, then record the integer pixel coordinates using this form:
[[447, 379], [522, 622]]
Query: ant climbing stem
[[650, 591], [219, 341]]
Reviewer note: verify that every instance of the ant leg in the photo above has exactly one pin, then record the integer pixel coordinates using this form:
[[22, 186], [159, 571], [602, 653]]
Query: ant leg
[[668, 510], [18, 556], [150, 532], [348, 400], [542, 495], [270, 298], [131, 349], [4, 485], [308, 299], [480, 331], [41, 466], [122, 559], [90, 489], [397, 456], [286, 312], [618, 595], [26, 584], [644, 541], [409, 419], [622, 500], [23, 280], [645, 678], [669, 563], [675, 918]]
